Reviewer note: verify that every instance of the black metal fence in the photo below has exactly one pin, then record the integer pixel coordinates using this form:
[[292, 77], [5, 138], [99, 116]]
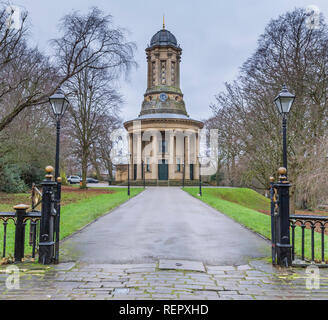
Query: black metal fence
[[305, 227], [20, 219], [14, 225]]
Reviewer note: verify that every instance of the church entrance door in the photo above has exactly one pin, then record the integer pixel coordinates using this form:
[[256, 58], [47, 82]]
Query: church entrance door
[[163, 171]]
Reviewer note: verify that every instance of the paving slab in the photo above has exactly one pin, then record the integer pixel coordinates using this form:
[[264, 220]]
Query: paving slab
[[181, 265], [65, 266]]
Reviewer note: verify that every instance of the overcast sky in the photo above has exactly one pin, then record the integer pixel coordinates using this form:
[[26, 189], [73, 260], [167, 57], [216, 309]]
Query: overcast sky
[[216, 37]]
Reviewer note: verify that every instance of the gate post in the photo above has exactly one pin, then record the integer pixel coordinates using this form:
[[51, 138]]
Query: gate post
[[46, 243], [20, 231], [273, 220], [284, 249]]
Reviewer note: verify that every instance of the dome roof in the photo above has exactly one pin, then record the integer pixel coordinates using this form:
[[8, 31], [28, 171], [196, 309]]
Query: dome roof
[[163, 38]]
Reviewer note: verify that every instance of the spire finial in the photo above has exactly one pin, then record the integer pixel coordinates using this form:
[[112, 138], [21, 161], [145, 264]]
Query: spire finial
[[163, 21]]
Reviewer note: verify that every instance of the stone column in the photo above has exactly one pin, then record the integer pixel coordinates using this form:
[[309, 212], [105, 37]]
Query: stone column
[[157, 68], [178, 71], [168, 69], [154, 165], [171, 155], [150, 71], [187, 160], [197, 160], [131, 157], [139, 154]]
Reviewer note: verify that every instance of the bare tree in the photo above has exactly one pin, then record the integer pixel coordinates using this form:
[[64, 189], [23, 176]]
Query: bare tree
[[93, 100], [86, 40], [312, 181], [104, 142], [288, 52]]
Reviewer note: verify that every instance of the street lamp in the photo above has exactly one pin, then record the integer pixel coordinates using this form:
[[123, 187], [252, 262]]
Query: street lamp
[[200, 176], [284, 101], [59, 104], [129, 158]]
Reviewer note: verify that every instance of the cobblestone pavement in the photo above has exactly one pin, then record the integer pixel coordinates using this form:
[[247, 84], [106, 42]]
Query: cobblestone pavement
[[256, 280]]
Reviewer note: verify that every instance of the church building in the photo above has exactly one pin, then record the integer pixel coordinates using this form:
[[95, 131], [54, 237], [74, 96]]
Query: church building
[[163, 140]]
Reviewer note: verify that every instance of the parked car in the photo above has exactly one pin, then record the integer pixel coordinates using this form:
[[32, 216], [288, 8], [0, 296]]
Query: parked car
[[73, 179], [91, 180]]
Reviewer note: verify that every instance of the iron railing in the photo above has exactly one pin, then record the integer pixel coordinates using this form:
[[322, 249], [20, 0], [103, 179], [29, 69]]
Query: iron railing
[[45, 237], [317, 226], [20, 219]]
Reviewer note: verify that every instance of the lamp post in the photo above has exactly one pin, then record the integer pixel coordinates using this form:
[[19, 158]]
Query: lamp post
[[284, 102], [59, 104], [129, 159], [200, 176]]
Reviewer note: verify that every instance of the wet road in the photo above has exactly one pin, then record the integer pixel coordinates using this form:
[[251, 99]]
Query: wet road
[[165, 223]]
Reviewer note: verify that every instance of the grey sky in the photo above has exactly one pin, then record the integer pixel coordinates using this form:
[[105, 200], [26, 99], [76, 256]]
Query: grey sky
[[216, 37]]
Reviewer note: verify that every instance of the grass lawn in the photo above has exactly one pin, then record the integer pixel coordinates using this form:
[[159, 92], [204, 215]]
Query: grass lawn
[[244, 205], [78, 209]]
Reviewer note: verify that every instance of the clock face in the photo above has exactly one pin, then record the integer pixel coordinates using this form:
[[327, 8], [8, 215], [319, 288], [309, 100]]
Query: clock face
[[163, 97]]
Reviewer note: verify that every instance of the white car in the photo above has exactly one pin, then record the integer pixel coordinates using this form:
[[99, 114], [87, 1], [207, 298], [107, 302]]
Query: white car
[[74, 179]]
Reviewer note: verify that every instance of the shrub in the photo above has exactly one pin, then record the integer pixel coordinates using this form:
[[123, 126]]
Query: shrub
[[32, 173], [64, 178], [10, 179]]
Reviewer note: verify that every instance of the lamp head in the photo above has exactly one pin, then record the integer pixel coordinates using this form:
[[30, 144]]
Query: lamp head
[[59, 103], [284, 101]]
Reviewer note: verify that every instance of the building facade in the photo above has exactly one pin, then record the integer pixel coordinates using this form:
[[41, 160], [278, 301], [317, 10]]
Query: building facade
[[163, 140]]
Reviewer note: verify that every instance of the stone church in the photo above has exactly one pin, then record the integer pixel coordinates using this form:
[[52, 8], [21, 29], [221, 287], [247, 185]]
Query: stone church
[[163, 141]]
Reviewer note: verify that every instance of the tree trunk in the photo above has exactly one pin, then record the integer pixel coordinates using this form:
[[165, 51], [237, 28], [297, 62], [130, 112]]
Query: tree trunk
[[84, 170], [217, 175], [233, 171], [109, 167], [96, 165]]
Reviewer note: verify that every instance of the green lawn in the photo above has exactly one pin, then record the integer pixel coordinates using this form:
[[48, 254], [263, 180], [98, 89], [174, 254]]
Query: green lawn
[[241, 204], [78, 210], [243, 196]]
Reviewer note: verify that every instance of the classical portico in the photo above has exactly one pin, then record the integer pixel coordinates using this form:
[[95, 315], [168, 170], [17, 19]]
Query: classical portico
[[163, 140]]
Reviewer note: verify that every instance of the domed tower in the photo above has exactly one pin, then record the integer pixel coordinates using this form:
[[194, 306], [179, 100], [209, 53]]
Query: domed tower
[[163, 94], [163, 140]]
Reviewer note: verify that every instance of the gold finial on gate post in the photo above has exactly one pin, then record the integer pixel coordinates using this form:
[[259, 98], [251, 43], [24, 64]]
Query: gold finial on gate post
[[49, 170], [282, 171], [21, 207], [282, 174]]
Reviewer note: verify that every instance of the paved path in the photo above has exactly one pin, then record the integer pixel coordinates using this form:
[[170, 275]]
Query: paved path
[[165, 223], [82, 281], [127, 255]]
